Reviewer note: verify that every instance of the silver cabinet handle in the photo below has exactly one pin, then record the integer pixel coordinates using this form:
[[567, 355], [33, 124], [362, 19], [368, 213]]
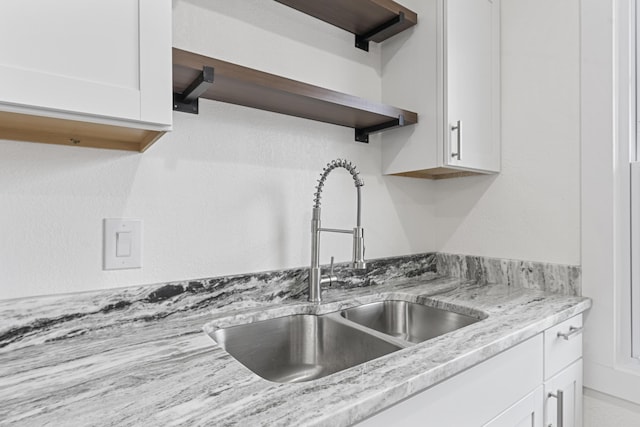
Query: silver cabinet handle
[[559, 395], [573, 331], [458, 128]]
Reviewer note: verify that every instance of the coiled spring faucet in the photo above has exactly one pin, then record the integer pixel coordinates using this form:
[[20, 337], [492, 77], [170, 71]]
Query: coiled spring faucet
[[316, 279]]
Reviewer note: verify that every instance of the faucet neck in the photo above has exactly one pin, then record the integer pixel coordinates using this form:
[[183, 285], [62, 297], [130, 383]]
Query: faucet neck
[[315, 238], [358, 209], [338, 163], [315, 273]]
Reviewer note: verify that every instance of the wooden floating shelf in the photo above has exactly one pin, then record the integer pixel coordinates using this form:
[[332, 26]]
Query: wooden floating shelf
[[32, 128], [369, 20], [240, 85]]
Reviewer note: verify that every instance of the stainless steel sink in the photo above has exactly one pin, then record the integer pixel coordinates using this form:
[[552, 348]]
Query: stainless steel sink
[[300, 347], [406, 320], [305, 347]]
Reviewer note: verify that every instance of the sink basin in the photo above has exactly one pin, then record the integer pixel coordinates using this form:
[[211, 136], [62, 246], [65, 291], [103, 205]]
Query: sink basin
[[305, 347], [406, 320], [300, 347]]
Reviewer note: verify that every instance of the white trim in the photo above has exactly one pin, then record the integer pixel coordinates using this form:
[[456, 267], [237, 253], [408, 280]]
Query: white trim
[[606, 123], [612, 381], [635, 70], [634, 296], [634, 332], [612, 400], [624, 119]]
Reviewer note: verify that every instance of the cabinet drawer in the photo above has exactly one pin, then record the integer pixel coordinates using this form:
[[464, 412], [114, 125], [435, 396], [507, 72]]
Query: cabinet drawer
[[562, 345]]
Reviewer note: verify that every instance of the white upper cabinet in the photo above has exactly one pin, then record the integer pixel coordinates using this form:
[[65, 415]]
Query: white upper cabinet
[[472, 82], [89, 61], [448, 70]]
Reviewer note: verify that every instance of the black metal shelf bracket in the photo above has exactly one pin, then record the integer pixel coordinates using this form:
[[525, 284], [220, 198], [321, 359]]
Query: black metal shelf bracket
[[187, 101], [362, 134], [362, 40]]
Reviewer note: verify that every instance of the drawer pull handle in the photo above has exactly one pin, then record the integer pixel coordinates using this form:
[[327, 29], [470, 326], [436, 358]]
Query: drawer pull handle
[[573, 331], [560, 396]]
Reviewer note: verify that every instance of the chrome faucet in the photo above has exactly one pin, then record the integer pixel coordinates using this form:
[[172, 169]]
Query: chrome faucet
[[316, 279]]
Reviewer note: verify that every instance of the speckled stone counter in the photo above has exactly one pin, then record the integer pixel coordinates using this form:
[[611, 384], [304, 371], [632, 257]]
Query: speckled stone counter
[[139, 356]]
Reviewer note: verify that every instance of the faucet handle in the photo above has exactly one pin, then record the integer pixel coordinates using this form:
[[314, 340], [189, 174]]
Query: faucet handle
[[327, 279], [332, 277]]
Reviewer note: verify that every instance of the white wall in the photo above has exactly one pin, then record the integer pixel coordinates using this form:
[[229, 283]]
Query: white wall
[[531, 211], [228, 191]]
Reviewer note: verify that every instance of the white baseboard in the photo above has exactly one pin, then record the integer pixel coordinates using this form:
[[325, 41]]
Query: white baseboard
[[622, 385]]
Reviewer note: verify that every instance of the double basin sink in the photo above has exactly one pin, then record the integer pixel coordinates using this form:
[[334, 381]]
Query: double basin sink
[[305, 347]]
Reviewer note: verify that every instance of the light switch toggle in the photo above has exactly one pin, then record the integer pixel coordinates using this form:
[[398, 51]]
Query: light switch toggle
[[123, 244]]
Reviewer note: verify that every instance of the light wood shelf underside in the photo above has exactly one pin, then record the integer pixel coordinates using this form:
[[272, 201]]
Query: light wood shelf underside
[[32, 128], [437, 173]]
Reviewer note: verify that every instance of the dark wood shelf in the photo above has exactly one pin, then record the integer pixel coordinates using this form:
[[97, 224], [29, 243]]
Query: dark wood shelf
[[373, 20], [240, 85]]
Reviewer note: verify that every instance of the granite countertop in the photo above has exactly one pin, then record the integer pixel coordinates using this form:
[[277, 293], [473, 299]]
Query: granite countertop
[[137, 358]]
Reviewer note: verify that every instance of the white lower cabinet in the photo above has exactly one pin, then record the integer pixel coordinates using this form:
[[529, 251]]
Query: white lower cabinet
[[563, 398], [525, 385], [563, 374]]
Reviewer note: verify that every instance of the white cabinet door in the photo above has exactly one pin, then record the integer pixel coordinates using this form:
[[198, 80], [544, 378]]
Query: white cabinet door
[[447, 68], [103, 59], [528, 412], [473, 397], [472, 84], [563, 392]]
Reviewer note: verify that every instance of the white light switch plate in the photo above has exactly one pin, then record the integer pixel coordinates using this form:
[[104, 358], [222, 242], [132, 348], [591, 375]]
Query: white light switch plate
[[122, 244]]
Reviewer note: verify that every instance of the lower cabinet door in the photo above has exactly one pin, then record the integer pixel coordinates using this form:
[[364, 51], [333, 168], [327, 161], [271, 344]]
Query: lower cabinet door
[[528, 412], [472, 397], [563, 397]]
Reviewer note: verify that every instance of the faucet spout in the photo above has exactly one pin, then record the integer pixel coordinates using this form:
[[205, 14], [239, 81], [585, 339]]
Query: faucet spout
[[316, 279]]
